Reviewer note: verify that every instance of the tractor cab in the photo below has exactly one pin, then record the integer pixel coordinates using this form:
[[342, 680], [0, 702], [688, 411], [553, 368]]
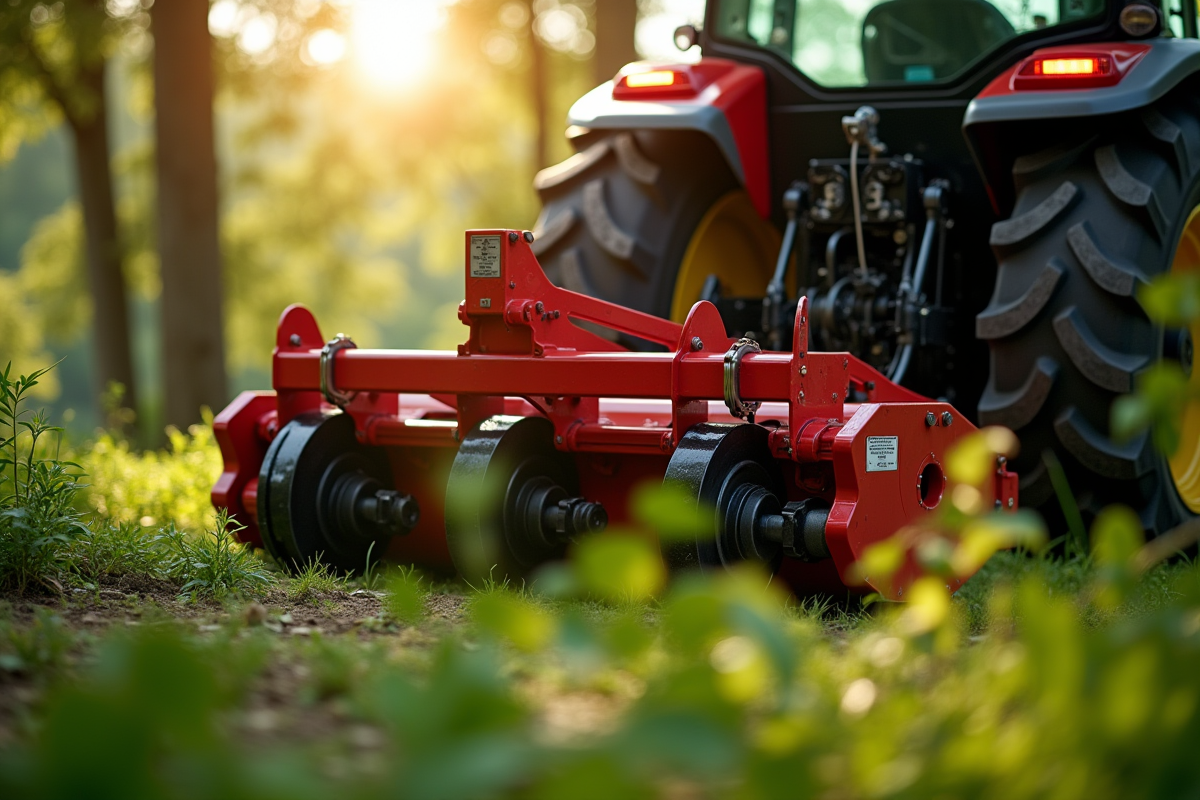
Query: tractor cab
[[896, 43]]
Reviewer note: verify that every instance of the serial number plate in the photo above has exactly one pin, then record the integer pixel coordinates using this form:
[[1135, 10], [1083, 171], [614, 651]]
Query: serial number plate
[[485, 256], [882, 453]]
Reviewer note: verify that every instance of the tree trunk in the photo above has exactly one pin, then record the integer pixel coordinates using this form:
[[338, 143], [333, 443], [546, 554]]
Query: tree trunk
[[615, 24], [538, 92], [189, 249], [111, 342]]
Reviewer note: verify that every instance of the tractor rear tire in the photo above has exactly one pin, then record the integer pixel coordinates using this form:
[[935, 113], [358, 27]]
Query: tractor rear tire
[[1096, 216], [619, 219]]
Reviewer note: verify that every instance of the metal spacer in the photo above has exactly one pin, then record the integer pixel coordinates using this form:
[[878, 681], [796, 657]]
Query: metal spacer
[[733, 364], [328, 389]]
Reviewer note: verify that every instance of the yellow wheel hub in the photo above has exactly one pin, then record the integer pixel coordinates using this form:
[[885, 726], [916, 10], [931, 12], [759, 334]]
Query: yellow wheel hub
[[732, 242], [1185, 464]]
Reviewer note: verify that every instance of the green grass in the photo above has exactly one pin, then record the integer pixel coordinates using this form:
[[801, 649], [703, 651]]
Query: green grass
[[213, 564], [313, 583], [111, 549]]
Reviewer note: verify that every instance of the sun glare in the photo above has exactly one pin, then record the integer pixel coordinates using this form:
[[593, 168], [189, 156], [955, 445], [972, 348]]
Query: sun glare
[[394, 41]]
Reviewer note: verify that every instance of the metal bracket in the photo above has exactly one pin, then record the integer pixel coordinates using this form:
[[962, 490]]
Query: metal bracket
[[738, 407], [860, 129], [328, 389]]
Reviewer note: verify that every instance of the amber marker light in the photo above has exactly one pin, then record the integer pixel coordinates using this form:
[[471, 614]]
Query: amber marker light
[[643, 80]]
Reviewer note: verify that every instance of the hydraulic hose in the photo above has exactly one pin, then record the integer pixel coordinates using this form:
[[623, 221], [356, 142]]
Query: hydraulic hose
[[858, 225]]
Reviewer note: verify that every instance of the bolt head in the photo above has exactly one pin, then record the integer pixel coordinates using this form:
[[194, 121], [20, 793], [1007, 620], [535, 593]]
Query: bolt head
[[528, 236], [804, 370], [697, 343], [930, 419], [1011, 502], [947, 418], [294, 340], [512, 237], [558, 439]]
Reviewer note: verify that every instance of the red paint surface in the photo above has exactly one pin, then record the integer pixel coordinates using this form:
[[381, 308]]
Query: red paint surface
[[738, 90]]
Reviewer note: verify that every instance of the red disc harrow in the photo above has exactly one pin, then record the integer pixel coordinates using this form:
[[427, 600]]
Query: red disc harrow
[[537, 431]]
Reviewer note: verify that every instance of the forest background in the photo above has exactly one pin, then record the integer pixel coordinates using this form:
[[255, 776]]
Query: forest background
[[354, 140]]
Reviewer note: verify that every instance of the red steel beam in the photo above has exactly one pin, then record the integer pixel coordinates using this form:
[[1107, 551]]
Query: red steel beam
[[617, 374]]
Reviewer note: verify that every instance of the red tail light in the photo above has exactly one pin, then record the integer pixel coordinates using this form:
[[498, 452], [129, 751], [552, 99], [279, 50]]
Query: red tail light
[[1070, 67], [1064, 68]]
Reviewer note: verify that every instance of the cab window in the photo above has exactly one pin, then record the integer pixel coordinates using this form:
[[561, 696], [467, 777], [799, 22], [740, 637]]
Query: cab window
[[847, 43]]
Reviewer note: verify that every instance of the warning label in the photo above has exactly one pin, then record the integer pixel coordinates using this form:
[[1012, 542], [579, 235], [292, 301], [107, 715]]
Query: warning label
[[485, 256], [882, 453]]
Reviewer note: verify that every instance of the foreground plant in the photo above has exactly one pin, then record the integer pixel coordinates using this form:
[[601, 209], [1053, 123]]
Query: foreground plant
[[214, 563], [38, 520]]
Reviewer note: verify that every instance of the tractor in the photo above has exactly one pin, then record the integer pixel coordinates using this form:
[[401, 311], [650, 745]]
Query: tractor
[[785, 280], [970, 194]]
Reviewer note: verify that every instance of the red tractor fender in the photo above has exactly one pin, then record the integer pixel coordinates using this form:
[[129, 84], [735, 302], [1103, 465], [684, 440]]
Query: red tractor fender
[[721, 98], [1134, 75]]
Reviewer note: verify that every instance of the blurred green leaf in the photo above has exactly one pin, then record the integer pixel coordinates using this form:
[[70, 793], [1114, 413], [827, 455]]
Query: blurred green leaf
[[970, 460], [405, 596], [619, 567], [1117, 536], [1172, 299], [670, 510], [928, 606], [693, 618], [509, 617], [1162, 394], [881, 560]]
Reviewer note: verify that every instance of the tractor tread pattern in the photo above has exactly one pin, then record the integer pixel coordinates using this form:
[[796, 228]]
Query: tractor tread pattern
[[1036, 165], [1036, 488], [1017, 408], [1010, 318], [574, 276], [579, 164], [547, 237], [1015, 231], [1105, 457], [634, 162], [1164, 130], [1128, 189], [603, 228], [1109, 274], [1101, 365]]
